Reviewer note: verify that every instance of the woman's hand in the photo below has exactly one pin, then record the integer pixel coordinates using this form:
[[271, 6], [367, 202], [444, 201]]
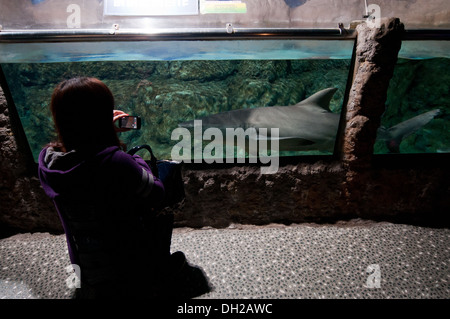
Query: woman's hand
[[117, 114]]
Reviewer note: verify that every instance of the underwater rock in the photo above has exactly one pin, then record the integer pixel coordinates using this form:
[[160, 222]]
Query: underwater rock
[[268, 70], [197, 70]]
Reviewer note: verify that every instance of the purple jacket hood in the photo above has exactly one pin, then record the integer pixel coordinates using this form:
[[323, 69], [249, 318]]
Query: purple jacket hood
[[59, 170]]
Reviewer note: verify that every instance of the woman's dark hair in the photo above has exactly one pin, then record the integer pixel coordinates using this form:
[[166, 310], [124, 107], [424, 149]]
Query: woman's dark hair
[[82, 110]]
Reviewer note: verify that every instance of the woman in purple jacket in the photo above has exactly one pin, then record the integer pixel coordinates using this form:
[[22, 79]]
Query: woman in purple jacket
[[107, 200]]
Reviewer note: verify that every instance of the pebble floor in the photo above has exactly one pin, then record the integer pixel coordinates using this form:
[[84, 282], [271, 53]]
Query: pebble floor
[[305, 261]]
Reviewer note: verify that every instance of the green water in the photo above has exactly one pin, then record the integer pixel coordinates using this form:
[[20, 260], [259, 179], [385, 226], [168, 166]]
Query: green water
[[419, 86], [166, 93]]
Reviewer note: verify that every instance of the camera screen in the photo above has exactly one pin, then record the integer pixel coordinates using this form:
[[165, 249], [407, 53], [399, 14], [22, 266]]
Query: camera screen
[[132, 122]]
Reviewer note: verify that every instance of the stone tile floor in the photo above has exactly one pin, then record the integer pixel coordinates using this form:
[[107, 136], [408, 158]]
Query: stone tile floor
[[347, 260]]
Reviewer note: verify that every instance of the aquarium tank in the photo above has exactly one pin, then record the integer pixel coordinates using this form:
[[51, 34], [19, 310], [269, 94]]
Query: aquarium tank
[[421, 84], [176, 62], [167, 91]]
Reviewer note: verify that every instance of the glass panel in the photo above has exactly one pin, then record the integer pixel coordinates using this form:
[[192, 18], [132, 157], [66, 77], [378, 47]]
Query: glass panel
[[175, 50], [167, 90], [146, 14], [417, 117]]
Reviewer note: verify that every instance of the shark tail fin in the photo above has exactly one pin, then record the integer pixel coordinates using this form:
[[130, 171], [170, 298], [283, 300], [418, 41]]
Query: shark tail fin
[[321, 99], [394, 135]]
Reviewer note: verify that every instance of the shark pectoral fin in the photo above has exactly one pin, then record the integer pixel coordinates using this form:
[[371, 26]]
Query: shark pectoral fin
[[295, 144], [393, 144], [294, 139], [402, 130], [302, 142], [383, 133], [272, 138], [287, 143]]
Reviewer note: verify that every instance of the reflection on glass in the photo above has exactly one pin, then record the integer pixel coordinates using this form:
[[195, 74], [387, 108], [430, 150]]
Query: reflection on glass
[[418, 103], [49, 52]]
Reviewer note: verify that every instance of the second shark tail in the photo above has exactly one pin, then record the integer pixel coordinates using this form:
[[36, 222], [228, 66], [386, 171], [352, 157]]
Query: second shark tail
[[394, 135]]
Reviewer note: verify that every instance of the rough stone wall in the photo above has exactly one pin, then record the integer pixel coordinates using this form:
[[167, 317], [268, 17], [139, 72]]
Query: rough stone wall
[[297, 193], [376, 55], [319, 192], [23, 204], [348, 187]]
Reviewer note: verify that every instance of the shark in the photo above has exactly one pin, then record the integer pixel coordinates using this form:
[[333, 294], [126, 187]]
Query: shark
[[305, 126]]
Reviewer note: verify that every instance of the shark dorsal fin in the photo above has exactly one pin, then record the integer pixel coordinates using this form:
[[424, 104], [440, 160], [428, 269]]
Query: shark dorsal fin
[[321, 99]]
